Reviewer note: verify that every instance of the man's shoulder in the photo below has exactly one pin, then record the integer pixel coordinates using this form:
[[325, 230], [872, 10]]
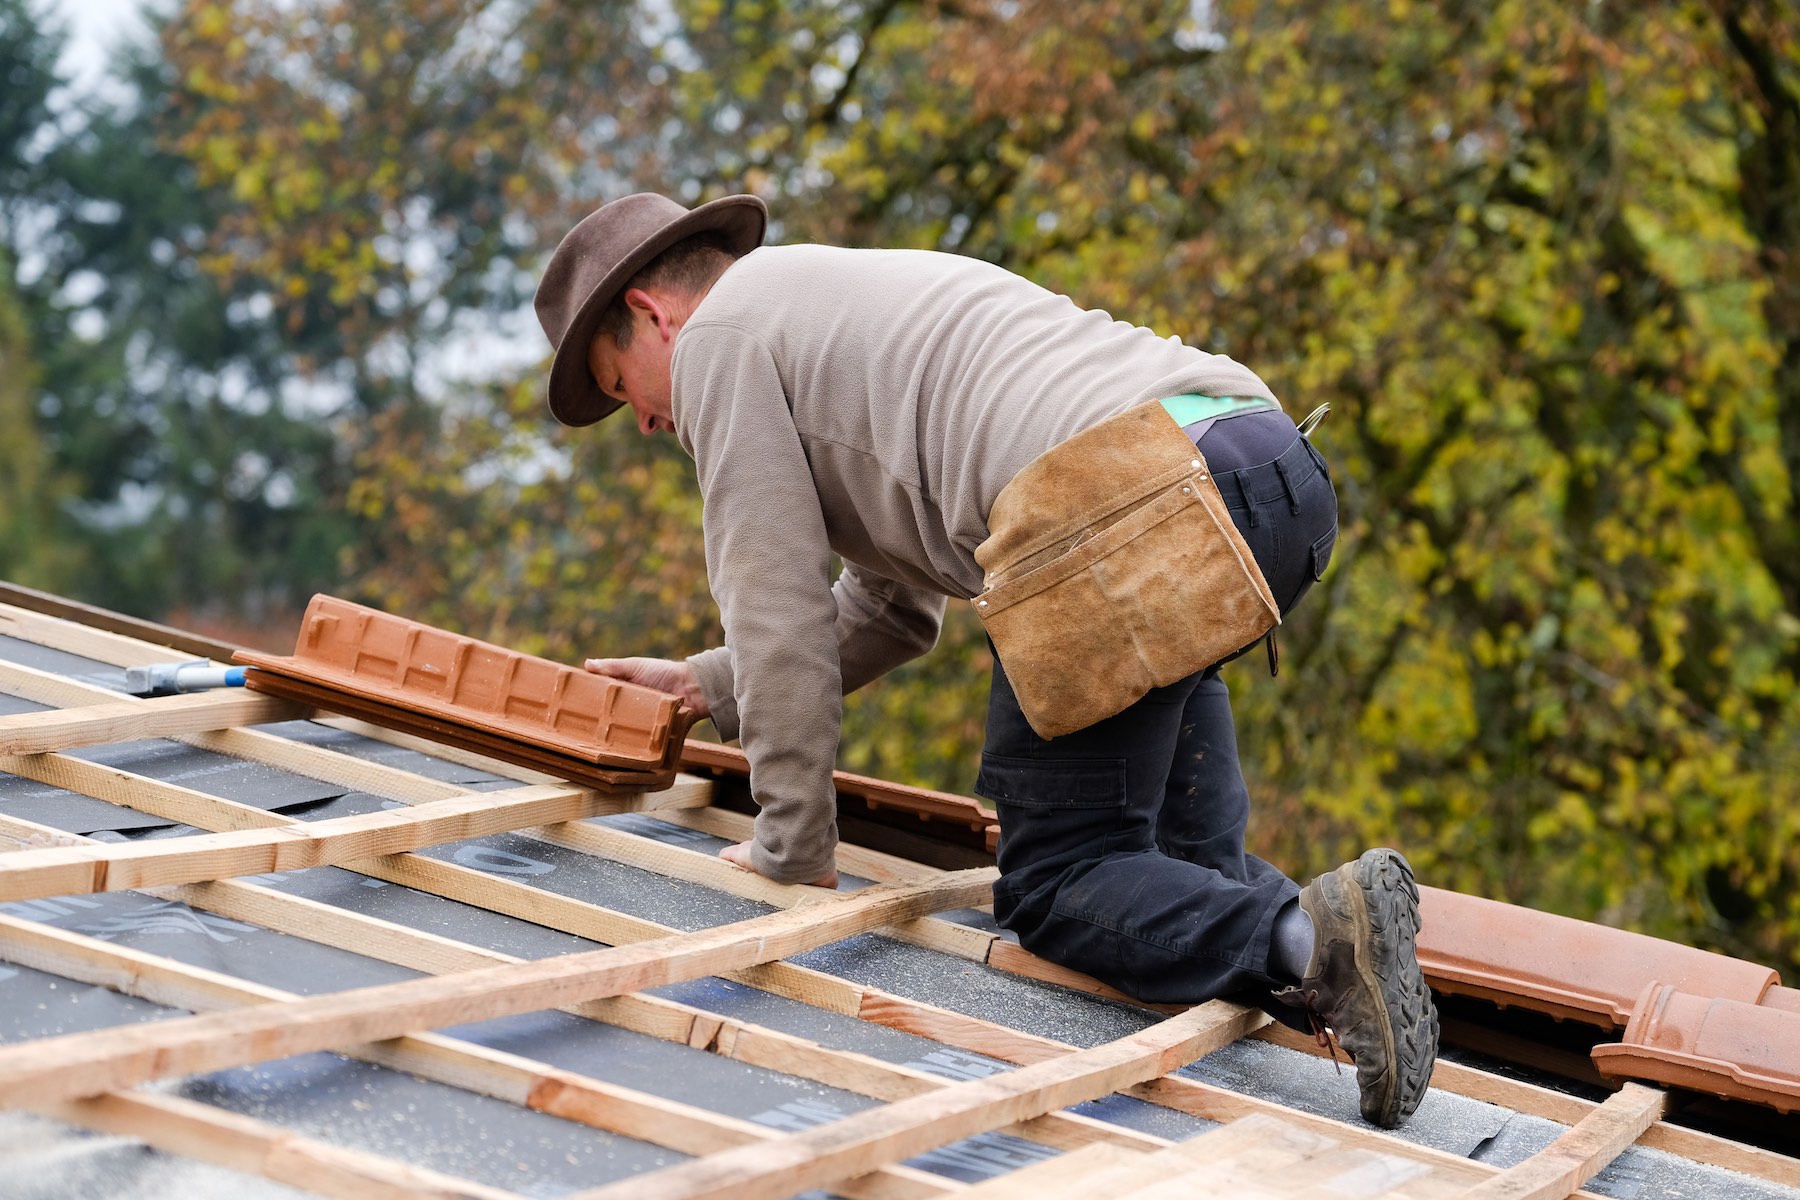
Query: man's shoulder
[[774, 272]]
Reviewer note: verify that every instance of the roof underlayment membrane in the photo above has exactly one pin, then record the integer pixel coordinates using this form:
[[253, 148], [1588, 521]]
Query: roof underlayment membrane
[[356, 1104]]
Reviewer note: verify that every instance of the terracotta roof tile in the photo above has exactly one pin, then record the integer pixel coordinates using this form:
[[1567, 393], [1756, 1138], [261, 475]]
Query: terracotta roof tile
[[1785, 998], [925, 804], [1707, 1044], [390, 660], [1517, 956]]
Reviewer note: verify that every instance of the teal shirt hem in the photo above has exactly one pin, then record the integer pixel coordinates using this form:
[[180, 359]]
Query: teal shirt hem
[[1189, 408]]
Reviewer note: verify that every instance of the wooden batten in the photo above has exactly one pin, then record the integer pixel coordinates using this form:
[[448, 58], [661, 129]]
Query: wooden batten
[[175, 984], [66, 871], [625, 1111], [1580, 1154], [131, 720], [71, 637], [1262, 1148], [85, 1064], [247, 1144], [857, 1144]]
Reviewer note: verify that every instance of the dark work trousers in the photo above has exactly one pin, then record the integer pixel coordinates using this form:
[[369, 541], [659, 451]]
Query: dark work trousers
[[1122, 844]]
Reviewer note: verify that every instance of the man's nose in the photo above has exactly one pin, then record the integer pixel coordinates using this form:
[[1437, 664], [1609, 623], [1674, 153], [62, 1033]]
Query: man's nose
[[646, 423]]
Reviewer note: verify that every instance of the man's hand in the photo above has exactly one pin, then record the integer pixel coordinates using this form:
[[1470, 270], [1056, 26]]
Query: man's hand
[[675, 678], [739, 856]]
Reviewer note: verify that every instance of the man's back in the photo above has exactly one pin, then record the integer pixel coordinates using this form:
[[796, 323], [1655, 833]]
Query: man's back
[[918, 384]]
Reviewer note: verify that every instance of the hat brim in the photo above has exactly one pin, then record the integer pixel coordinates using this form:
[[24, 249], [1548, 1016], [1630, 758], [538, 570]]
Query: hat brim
[[574, 395]]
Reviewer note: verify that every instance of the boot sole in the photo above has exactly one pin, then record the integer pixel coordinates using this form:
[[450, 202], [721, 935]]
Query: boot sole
[[1387, 899]]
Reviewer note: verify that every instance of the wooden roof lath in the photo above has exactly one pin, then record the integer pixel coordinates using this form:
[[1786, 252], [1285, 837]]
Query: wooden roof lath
[[98, 1079]]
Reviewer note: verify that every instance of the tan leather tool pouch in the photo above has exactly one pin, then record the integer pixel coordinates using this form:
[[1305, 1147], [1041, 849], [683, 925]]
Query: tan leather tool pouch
[[1113, 568]]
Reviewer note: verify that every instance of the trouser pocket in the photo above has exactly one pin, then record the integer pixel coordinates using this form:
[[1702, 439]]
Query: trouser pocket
[[1052, 812]]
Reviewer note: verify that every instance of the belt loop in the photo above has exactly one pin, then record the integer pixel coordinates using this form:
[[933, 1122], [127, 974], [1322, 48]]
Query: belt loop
[[1287, 486], [1244, 495]]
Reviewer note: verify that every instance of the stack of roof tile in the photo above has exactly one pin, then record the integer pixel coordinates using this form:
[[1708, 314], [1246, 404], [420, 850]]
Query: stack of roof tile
[[402, 674]]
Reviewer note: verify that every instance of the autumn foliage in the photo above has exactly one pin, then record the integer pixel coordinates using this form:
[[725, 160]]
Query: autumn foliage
[[1542, 259]]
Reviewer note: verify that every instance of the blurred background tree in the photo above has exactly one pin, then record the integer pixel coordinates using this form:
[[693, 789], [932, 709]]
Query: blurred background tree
[[189, 472], [1543, 261]]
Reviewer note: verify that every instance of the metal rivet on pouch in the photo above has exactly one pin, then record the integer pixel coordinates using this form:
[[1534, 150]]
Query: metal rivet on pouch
[[981, 604], [1195, 463], [1202, 479], [1187, 491]]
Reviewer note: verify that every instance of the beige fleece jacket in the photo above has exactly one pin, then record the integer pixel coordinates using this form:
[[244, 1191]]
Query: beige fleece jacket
[[872, 404]]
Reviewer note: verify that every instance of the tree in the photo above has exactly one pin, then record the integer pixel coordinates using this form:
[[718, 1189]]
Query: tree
[[29, 496], [157, 401], [1540, 259]]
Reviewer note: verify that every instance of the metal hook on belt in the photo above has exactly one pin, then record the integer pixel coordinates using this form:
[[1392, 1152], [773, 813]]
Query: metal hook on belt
[[1314, 419]]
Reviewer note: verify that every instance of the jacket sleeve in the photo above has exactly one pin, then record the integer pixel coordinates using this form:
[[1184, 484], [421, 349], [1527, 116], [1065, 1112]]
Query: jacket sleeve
[[881, 624], [770, 568]]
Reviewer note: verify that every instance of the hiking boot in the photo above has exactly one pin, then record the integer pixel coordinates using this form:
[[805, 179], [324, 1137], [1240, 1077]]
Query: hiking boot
[[1364, 981]]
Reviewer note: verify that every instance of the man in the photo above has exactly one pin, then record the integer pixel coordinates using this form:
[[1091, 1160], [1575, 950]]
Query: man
[[1125, 513]]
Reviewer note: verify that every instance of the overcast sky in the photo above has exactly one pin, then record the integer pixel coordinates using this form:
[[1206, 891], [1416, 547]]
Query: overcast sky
[[95, 27]]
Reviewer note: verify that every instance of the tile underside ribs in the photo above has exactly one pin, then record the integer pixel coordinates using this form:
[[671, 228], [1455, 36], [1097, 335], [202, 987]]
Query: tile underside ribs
[[878, 794], [454, 733], [421, 791], [404, 664]]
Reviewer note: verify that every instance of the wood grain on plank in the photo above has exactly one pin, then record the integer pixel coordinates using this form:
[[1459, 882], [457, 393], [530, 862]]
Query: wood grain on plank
[[1264, 1158], [873, 865], [392, 783], [86, 1064], [133, 720], [689, 792], [92, 617], [1077, 1175], [86, 641], [1187, 1095], [247, 1144], [513, 1078], [647, 1014], [859, 1143], [290, 846], [1583, 1152], [1565, 1109]]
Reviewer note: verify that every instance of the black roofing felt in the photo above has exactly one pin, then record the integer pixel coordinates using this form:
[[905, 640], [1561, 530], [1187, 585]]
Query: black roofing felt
[[458, 1132], [61, 662]]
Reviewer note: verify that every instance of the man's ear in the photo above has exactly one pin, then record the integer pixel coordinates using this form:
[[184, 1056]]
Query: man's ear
[[654, 307]]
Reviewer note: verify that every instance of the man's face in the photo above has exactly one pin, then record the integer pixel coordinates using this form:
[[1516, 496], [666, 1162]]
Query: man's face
[[638, 376]]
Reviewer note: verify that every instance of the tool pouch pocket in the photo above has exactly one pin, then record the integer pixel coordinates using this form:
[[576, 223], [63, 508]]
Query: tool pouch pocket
[[1159, 587]]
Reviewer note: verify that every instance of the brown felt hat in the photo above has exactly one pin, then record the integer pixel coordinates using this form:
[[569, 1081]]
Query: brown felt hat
[[595, 262]]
